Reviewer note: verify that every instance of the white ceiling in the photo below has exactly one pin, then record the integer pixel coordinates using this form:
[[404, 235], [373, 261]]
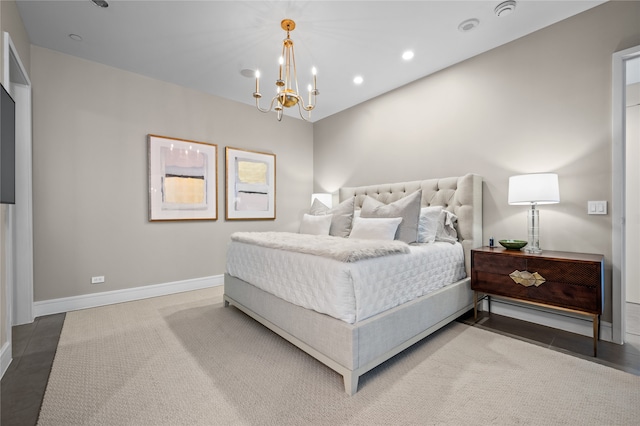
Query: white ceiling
[[204, 45]]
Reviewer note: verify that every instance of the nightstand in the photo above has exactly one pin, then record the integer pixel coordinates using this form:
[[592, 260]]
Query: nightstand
[[566, 281]]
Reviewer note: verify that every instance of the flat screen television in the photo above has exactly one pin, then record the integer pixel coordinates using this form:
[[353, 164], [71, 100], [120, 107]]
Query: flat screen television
[[7, 148]]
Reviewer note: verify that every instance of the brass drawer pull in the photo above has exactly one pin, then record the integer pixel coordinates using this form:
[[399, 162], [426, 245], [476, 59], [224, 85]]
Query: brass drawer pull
[[526, 278]]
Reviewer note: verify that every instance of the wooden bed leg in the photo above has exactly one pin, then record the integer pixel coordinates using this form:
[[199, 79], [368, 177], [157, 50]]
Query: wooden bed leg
[[350, 383]]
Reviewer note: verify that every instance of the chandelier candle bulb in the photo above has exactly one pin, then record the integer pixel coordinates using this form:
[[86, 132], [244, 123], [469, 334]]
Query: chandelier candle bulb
[[257, 81], [314, 72]]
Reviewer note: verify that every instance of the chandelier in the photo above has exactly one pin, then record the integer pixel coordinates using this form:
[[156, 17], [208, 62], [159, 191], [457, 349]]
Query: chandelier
[[287, 94]]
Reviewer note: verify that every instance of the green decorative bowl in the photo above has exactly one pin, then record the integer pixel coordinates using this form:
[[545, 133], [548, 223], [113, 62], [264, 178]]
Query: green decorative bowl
[[512, 244]]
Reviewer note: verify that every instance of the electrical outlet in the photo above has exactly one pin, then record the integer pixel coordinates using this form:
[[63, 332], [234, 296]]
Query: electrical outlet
[[97, 280]]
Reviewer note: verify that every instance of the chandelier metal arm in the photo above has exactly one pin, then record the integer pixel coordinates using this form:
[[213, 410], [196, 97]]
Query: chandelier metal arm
[[274, 101], [258, 96]]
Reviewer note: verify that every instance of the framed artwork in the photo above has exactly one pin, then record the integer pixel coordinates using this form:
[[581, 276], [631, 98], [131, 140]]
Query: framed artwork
[[251, 185], [183, 179]]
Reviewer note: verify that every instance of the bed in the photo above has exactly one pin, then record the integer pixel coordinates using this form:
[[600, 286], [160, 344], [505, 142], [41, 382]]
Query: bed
[[353, 346]]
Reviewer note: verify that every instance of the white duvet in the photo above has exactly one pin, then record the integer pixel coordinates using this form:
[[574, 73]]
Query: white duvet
[[353, 291]]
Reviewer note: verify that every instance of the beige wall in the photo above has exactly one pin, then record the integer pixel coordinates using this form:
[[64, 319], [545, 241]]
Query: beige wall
[[539, 104], [11, 22], [90, 176]]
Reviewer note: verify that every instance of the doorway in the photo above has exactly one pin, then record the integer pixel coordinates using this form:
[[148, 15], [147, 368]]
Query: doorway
[[625, 193]]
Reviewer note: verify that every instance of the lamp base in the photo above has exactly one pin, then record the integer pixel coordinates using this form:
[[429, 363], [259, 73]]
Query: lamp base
[[534, 230], [534, 250]]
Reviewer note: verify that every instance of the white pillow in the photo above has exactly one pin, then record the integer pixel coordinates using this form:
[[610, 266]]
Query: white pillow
[[375, 228], [316, 225], [447, 227], [428, 224]]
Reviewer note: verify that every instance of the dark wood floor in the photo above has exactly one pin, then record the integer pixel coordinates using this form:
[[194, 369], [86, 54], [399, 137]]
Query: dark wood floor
[[34, 347], [622, 357]]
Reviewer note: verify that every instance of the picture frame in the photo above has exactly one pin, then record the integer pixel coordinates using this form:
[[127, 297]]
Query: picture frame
[[183, 179], [250, 185]]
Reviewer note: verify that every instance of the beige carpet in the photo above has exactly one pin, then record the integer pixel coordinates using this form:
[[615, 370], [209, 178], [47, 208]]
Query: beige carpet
[[187, 360]]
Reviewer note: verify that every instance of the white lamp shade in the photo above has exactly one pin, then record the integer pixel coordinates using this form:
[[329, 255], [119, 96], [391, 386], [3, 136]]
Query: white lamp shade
[[538, 188], [324, 197]]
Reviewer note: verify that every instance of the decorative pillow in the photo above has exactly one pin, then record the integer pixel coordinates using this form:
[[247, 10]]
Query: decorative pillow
[[408, 208], [316, 225], [428, 224], [447, 227], [342, 215], [375, 228]]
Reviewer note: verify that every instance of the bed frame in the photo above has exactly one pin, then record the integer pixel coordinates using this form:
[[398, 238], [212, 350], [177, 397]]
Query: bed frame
[[353, 349]]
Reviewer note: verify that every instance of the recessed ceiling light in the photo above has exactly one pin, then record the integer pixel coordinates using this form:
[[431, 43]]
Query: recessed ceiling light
[[408, 55], [75, 37], [468, 25], [505, 8], [358, 79], [248, 73], [100, 3]]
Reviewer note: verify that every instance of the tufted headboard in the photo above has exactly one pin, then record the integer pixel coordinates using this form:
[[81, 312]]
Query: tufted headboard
[[460, 195]]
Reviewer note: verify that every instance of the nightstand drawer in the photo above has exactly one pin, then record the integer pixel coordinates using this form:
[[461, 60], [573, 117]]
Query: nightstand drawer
[[577, 273], [568, 295], [497, 264]]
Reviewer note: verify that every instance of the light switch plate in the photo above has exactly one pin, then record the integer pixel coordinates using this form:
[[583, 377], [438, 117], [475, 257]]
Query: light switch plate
[[597, 207]]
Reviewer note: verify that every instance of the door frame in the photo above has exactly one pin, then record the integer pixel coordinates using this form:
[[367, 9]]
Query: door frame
[[19, 221], [618, 215]]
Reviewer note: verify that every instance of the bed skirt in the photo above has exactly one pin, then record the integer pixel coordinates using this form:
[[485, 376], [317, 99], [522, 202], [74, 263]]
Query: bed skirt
[[351, 349]]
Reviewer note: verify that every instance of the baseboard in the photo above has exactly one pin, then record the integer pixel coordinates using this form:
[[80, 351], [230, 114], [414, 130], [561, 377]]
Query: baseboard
[[550, 318], [74, 303], [5, 358]]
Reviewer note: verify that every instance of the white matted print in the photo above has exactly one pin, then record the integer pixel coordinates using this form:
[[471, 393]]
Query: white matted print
[[251, 185], [183, 179]]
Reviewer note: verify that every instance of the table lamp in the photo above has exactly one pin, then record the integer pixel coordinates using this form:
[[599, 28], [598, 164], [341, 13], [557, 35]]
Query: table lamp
[[534, 189], [323, 197]]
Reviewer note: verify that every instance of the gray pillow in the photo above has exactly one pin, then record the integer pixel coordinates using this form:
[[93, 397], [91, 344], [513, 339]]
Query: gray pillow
[[408, 208], [342, 215]]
